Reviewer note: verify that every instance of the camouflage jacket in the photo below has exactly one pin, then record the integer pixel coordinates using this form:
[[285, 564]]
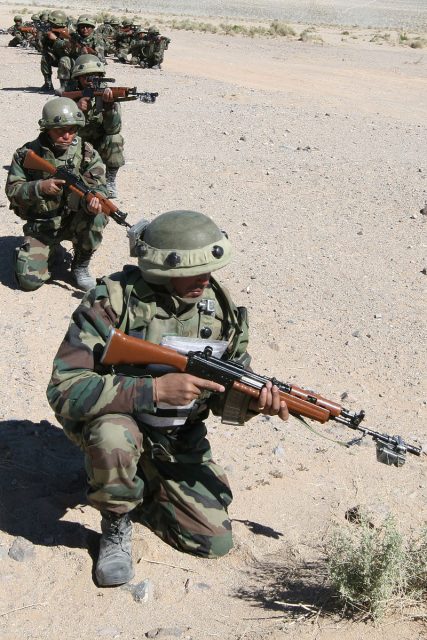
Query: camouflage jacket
[[101, 119], [81, 388], [23, 185], [91, 44]]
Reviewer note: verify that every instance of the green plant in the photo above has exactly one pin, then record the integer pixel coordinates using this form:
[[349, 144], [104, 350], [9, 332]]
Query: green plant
[[372, 568]]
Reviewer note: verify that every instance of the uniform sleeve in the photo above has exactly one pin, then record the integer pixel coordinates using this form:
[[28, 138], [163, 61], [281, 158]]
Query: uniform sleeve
[[20, 191], [112, 119], [94, 170], [79, 389]]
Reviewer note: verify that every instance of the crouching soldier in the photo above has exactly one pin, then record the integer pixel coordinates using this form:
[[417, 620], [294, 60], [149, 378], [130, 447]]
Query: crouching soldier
[[103, 116], [51, 213], [142, 429]]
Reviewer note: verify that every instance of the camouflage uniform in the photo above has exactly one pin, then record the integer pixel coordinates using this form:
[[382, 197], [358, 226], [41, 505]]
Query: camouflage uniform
[[137, 457], [123, 40], [19, 38], [151, 49], [102, 130], [51, 219], [76, 47]]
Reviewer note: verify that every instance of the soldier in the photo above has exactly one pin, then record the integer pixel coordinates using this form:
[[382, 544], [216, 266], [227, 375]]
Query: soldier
[[142, 429], [137, 46], [152, 49], [15, 31], [103, 117], [123, 40], [82, 41], [54, 46], [108, 31], [51, 213]]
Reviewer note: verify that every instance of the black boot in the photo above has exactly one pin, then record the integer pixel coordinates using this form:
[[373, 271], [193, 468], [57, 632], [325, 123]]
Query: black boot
[[80, 270], [48, 86], [114, 565], [110, 176]]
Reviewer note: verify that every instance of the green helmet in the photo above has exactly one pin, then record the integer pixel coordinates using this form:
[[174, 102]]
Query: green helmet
[[86, 20], [114, 21], [127, 22], [58, 18], [153, 31], [35, 17], [44, 17], [17, 19], [177, 244], [140, 30], [87, 64], [61, 112]]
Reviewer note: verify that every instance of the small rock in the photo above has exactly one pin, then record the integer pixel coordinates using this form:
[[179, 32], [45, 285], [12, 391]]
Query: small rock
[[3, 551], [21, 550], [196, 586], [424, 271], [344, 395], [141, 592], [167, 632], [423, 211], [243, 138], [279, 451], [377, 315], [108, 632], [356, 334], [413, 216]]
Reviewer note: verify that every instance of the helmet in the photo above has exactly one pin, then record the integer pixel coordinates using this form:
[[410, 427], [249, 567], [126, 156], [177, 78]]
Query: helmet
[[181, 243], [140, 30], [44, 16], [58, 18], [17, 19], [106, 20], [61, 112], [153, 31], [87, 64], [35, 17], [86, 20], [114, 21], [127, 22]]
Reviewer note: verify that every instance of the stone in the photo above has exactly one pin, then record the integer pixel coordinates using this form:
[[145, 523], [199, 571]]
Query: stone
[[21, 550]]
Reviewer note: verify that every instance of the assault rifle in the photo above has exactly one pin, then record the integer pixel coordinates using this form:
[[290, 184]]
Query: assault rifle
[[120, 94], [122, 349], [75, 184]]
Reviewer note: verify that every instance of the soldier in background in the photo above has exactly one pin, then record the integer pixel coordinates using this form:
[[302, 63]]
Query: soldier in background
[[123, 40], [103, 117], [141, 428], [82, 41], [108, 31], [53, 214], [54, 43], [152, 49], [19, 38], [136, 47]]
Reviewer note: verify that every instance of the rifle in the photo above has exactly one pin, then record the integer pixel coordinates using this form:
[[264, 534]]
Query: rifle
[[120, 94], [122, 349], [76, 185]]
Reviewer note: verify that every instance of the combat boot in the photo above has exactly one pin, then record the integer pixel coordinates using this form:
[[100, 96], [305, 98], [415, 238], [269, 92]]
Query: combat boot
[[48, 86], [114, 565], [110, 176], [80, 270]]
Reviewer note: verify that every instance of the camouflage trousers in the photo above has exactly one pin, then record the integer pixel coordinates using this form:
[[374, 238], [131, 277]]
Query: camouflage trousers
[[46, 63], [109, 147], [169, 482], [42, 237]]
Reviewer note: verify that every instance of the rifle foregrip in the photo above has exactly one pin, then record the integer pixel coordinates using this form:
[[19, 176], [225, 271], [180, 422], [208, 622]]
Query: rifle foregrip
[[295, 405]]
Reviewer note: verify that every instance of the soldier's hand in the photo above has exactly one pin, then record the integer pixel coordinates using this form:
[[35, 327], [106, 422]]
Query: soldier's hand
[[179, 389], [94, 205], [51, 186], [107, 96], [52, 36], [269, 402], [83, 104]]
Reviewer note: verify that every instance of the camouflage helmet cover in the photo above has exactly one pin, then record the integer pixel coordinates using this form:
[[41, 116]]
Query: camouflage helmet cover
[[35, 17], [61, 112], [87, 64], [58, 18], [17, 18], [44, 16], [181, 243], [86, 20], [153, 31], [127, 22], [114, 21]]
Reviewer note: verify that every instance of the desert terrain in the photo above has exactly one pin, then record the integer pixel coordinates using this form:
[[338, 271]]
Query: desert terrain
[[313, 157]]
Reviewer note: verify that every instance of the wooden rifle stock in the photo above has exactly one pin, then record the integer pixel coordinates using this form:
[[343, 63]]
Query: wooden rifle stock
[[122, 349], [35, 162]]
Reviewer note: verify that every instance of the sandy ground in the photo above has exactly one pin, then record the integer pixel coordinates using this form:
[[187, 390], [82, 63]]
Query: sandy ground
[[313, 159]]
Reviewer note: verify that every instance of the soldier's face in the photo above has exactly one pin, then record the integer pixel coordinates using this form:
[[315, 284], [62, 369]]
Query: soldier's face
[[85, 30], [190, 286], [86, 81], [62, 136]]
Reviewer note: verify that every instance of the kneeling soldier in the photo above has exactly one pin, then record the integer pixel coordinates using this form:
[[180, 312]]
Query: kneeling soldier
[[51, 213]]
